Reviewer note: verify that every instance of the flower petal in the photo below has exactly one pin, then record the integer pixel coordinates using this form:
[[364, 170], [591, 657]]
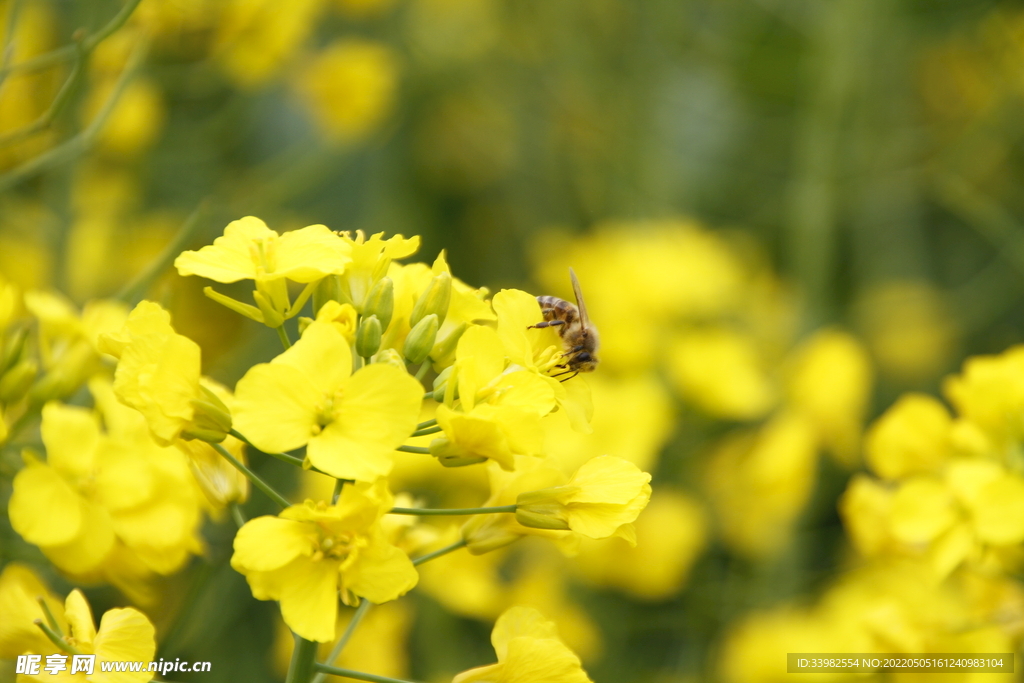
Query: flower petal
[[267, 543], [275, 407], [309, 602], [308, 254], [229, 258]]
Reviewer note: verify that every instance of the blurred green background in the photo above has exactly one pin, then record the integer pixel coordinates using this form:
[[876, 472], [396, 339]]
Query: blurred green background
[[867, 152]]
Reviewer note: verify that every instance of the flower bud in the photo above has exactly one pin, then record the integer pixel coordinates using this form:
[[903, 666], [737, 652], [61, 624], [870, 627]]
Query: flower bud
[[16, 381], [434, 300], [444, 349], [442, 383], [451, 455], [211, 420], [420, 339], [541, 510], [368, 336], [381, 301], [12, 349], [390, 357]]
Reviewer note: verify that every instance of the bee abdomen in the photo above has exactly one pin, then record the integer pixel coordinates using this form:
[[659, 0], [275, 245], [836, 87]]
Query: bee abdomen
[[554, 308]]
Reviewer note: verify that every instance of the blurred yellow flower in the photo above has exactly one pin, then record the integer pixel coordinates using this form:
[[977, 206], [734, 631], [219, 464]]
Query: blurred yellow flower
[[990, 393], [528, 650], [349, 87], [830, 382], [670, 535], [310, 552], [350, 423], [911, 437], [486, 433], [719, 370]]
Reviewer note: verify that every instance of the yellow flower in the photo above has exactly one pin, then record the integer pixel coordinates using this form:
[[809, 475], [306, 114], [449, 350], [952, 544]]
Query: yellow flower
[[911, 437], [486, 433], [540, 350], [529, 651], [830, 383], [350, 87], [158, 374], [371, 261], [98, 491], [990, 393], [343, 316], [20, 590], [124, 635], [308, 396], [249, 250], [483, 375], [719, 371], [602, 499], [308, 553]]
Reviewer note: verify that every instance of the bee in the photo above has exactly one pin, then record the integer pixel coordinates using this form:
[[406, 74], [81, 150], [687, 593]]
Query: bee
[[579, 336]]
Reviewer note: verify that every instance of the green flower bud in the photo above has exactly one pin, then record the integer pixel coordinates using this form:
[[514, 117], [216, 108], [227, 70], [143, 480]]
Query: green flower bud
[[441, 383], [420, 340], [434, 300], [368, 336], [211, 420], [271, 316], [381, 301], [541, 510], [451, 456], [391, 357], [444, 349], [12, 349], [16, 381]]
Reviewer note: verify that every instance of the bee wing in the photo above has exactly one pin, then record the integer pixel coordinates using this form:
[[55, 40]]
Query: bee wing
[[584, 318]]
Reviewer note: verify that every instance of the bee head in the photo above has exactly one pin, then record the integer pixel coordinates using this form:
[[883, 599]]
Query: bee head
[[584, 361]]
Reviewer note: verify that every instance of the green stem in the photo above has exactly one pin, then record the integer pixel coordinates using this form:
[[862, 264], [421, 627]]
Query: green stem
[[68, 51], [461, 543], [46, 119], [134, 290], [238, 515], [50, 619], [252, 476], [338, 486], [55, 638], [428, 430], [303, 661], [452, 511], [361, 611], [283, 335], [283, 457], [424, 425], [423, 369], [357, 675], [413, 449]]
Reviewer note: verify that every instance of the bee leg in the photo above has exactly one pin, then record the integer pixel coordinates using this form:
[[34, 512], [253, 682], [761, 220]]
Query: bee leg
[[575, 349], [546, 323], [569, 377]]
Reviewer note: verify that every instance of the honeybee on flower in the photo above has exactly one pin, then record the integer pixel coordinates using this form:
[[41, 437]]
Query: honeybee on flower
[[579, 336]]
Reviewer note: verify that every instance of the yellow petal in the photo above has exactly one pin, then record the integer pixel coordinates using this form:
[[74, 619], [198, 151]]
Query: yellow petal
[[545, 660], [382, 572], [90, 547], [229, 258], [921, 510], [268, 543], [340, 455], [124, 635], [520, 622], [607, 479], [276, 407], [309, 602], [308, 254], [44, 508], [71, 435], [79, 616], [322, 355], [999, 511], [19, 590]]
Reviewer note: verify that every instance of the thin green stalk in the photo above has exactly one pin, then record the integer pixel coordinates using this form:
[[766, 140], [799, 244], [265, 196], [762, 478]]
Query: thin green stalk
[[283, 335], [452, 511], [56, 639], [461, 543], [62, 98], [303, 661], [361, 611], [357, 675], [13, 14], [424, 425], [50, 619], [252, 476], [134, 290], [423, 369], [238, 515], [428, 430], [67, 52], [413, 449], [283, 457], [338, 486]]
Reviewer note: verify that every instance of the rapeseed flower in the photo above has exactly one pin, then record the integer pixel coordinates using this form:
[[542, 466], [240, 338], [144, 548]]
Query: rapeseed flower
[[309, 553], [486, 433], [20, 592], [308, 396], [528, 650]]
